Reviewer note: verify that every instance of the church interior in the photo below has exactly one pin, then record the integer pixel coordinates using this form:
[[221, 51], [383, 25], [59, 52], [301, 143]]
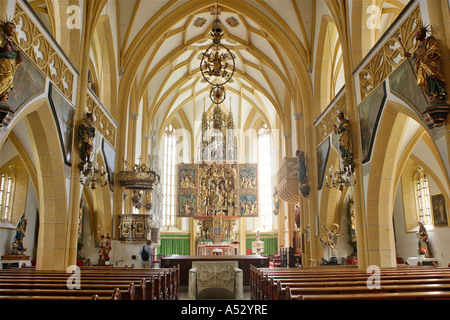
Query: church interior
[[239, 136]]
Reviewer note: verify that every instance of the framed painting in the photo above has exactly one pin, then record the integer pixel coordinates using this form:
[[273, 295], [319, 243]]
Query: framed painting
[[247, 176], [186, 203], [369, 112], [403, 84], [29, 82], [109, 154], [248, 203], [323, 151], [187, 176], [63, 111], [439, 210]]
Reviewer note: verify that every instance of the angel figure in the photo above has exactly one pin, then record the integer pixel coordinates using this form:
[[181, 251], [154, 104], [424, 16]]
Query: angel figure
[[328, 239]]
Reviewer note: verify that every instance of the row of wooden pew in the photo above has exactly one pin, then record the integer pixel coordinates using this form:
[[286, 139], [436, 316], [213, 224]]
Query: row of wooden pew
[[90, 283], [350, 283]]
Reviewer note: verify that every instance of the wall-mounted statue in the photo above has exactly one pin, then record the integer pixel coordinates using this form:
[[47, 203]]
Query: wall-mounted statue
[[427, 59], [276, 202], [86, 135], [10, 59], [297, 215], [345, 139], [302, 176]]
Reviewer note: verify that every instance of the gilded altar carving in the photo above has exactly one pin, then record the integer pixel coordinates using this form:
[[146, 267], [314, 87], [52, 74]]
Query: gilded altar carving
[[217, 189], [206, 190]]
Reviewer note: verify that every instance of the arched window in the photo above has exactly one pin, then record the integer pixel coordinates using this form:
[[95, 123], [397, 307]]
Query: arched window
[[422, 197], [265, 178], [7, 192], [168, 179]]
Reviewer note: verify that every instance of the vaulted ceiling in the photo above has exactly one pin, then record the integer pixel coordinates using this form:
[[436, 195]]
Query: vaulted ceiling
[[169, 75], [158, 45]]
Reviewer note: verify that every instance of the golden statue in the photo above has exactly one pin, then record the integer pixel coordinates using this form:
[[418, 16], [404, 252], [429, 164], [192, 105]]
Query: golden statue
[[328, 239], [105, 248], [10, 59], [345, 139], [330, 235], [86, 135], [427, 55]]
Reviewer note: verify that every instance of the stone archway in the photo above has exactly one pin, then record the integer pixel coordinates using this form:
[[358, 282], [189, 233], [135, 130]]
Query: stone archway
[[53, 252], [377, 229]]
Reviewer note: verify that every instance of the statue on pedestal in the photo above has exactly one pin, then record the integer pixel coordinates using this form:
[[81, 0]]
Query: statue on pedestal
[[276, 202], [10, 59], [86, 135], [21, 228], [302, 177], [345, 139], [328, 240], [427, 56], [105, 248], [423, 243]]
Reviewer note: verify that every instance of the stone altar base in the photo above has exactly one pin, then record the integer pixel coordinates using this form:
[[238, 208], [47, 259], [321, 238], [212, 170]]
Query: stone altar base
[[413, 261], [215, 280]]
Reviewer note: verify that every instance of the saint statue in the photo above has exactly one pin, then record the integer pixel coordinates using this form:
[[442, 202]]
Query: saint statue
[[427, 60], [301, 160], [345, 139], [423, 243], [105, 247], [10, 59], [427, 55], [86, 135], [17, 245], [302, 177], [276, 202]]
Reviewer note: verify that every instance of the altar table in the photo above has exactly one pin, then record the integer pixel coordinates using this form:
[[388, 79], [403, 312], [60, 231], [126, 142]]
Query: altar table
[[185, 263]]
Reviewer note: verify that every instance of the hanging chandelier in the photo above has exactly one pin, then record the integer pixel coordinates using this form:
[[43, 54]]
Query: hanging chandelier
[[341, 178], [91, 176], [217, 65]]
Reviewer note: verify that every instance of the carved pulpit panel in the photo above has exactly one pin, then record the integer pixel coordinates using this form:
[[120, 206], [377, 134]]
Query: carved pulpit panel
[[134, 227]]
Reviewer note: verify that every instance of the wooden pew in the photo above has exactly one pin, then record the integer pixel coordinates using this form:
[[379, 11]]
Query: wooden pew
[[430, 295], [52, 294], [275, 286], [96, 279], [167, 279], [278, 291], [270, 283], [340, 290]]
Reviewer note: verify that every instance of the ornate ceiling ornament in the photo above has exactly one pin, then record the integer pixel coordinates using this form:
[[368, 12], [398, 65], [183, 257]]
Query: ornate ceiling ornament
[[217, 64], [199, 22], [232, 22]]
